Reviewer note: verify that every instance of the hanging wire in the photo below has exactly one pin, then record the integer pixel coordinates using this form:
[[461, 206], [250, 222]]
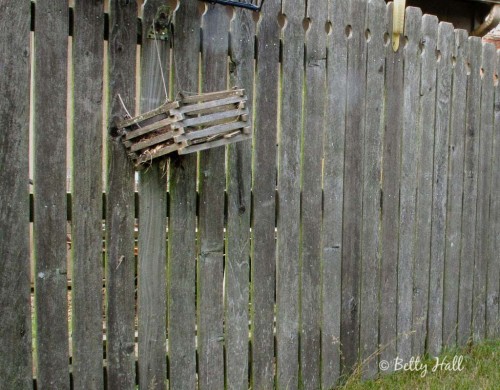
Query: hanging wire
[[159, 62]]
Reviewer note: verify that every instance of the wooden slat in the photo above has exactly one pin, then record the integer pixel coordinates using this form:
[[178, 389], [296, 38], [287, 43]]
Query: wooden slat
[[155, 126], [263, 263], [311, 206], [211, 215], [120, 261], [470, 190], [455, 190], [153, 141], [15, 327], [493, 283], [163, 109], [86, 234], [51, 42], [372, 170], [440, 181], [212, 95], [182, 222], [239, 162], [287, 286], [408, 183], [197, 108], [219, 116], [390, 198], [210, 131], [483, 233], [333, 190], [152, 305], [425, 129]]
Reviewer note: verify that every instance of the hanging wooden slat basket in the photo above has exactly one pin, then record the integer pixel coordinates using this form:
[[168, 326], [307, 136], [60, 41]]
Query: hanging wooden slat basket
[[191, 124]]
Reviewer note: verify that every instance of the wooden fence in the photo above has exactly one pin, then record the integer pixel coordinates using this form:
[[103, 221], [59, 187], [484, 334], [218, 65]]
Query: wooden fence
[[360, 224]]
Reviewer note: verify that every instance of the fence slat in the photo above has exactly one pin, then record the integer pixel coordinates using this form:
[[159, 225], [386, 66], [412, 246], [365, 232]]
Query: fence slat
[[425, 129], [470, 190], [353, 183], [15, 327], [182, 221], [408, 185], [333, 190], [151, 305], [455, 190], [263, 263], [372, 167], [287, 286], [239, 181], [390, 198], [51, 56], [493, 283], [87, 262], [312, 147], [483, 237], [120, 260], [214, 51]]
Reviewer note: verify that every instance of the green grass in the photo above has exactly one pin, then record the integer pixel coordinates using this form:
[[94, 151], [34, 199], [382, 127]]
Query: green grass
[[481, 370]]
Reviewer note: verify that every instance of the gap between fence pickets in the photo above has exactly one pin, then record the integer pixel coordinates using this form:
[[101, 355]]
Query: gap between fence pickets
[[192, 124]]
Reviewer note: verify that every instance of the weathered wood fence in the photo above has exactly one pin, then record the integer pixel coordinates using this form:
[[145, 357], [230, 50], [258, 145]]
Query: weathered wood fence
[[360, 224]]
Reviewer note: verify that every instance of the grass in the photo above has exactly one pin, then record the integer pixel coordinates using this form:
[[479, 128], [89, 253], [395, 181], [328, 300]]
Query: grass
[[480, 370]]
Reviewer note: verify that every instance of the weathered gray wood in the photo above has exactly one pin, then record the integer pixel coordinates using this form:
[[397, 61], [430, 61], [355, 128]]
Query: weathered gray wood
[[212, 95], [287, 274], [353, 183], [212, 183], [155, 126], [483, 233], [51, 57], [15, 327], [200, 107], [212, 130], [455, 190], [372, 171], [150, 115], [425, 129], [493, 283], [263, 251], [120, 260], [311, 206], [219, 116], [182, 218], [86, 234], [333, 189], [408, 182], [152, 305], [470, 190], [239, 168], [390, 199], [440, 181]]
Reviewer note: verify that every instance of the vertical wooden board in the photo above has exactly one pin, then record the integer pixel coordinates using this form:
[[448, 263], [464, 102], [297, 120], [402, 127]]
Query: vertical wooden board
[[263, 251], [86, 234], [51, 51], [493, 292], [353, 183], [120, 260], [15, 328], [471, 155], [151, 306], [182, 218], [287, 287], [214, 51], [425, 129], [239, 181], [312, 147], [394, 93], [408, 181], [440, 183], [482, 247], [333, 190], [455, 190], [372, 170]]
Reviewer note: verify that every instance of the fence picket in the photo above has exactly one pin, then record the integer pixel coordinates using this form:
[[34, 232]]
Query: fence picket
[[15, 327], [182, 214], [372, 171], [151, 270], [87, 261], [51, 42], [239, 181], [120, 259]]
